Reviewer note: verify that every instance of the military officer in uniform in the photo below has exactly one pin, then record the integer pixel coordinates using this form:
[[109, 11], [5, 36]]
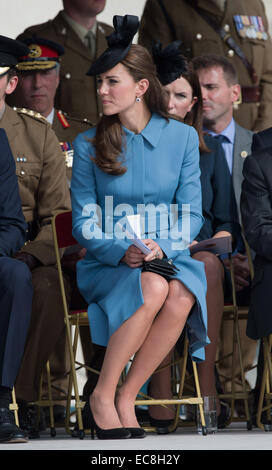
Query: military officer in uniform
[[237, 30], [84, 39], [39, 76], [43, 187]]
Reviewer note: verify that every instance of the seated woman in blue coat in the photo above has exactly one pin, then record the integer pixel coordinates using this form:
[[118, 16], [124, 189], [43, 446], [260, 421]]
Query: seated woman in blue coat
[[183, 94], [134, 160]]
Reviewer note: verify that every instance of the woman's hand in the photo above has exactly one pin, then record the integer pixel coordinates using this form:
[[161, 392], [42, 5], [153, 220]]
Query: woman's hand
[[156, 250], [133, 257]]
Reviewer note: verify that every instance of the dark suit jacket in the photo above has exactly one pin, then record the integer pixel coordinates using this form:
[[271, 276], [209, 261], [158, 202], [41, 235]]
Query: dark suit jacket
[[262, 139], [256, 211], [218, 200], [12, 222]]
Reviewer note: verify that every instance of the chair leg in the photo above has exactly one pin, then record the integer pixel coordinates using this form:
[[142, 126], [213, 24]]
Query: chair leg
[[73, 383], [265, 392], [200, 404], [14, 407], [181, 382], [234, 394], [244, 391], [51, 406]]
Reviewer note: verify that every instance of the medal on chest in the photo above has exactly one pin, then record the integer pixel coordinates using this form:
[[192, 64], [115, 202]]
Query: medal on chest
[[68, 153], [250, 26]]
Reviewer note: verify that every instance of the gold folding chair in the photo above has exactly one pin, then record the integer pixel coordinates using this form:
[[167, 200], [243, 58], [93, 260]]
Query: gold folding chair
[[265, 403], [14, 407], [233, 312], [178, 397], [48, 401], [179, 367], [62, 236], [74, 319]]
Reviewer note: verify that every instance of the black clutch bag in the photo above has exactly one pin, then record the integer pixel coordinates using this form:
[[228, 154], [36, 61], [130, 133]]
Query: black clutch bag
[[164, 267]]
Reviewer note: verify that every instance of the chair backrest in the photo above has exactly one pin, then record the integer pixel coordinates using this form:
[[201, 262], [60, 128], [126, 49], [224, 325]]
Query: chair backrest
[[62, 222]]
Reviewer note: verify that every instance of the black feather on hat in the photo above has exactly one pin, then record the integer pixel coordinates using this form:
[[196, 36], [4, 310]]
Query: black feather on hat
[[170, 63], [119, 43]]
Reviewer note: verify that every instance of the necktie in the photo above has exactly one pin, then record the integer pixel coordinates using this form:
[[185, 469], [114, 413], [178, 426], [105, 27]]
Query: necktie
[[91, 43], [228, 150], [221, 138], [220, 4]]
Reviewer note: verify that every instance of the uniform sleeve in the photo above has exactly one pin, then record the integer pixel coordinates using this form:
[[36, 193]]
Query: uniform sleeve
[[153, 26], [85, 210], [12, 222], [256, 208], [52, 197], [188, 200]]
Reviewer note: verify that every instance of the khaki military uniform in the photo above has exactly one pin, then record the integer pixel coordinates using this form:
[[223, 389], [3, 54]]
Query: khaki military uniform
[[182, 21], [77, 92], [43, 188]]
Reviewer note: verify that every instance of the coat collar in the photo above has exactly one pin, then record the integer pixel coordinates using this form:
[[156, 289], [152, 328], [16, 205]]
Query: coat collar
[[211, 7], [152, 131]]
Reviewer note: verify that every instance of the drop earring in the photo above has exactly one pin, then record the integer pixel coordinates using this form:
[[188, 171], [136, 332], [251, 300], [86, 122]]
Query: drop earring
[[138, 99]]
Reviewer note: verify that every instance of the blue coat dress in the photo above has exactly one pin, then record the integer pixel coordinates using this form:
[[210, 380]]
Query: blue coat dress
[[162, 169]]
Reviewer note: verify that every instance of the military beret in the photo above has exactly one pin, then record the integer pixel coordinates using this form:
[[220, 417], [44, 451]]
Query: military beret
[[119, 43], [43, 54], [10, 51]]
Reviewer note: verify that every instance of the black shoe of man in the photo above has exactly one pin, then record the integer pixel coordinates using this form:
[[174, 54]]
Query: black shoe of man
[[31, 420], [9, 431]]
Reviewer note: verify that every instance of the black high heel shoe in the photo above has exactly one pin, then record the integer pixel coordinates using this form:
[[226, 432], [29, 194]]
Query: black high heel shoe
[[161, 425], [224, 415], [114, 433], [136, 432]]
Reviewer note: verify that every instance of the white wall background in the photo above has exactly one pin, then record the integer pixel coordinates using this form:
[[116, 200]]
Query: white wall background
[[16, 15]]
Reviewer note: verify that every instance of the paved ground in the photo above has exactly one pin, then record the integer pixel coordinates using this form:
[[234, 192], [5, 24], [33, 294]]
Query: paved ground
[[234, 437]]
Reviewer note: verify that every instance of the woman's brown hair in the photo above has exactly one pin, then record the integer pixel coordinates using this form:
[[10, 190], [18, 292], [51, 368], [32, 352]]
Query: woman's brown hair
[[194, 117], [109, 141]]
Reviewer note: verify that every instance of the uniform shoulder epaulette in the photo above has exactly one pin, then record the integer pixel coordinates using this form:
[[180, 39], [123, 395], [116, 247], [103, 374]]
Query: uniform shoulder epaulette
[[65, 118], [31, 113]]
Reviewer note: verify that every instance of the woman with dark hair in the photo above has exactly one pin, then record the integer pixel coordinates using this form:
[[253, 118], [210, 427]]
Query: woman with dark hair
[[133, 161], [183, 94]]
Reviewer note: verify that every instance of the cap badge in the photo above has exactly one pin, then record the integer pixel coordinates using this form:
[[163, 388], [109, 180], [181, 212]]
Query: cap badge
[[35, 51]]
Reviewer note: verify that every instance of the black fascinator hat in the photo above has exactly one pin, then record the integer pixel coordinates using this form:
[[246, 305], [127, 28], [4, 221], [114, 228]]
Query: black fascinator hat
[[119, 43], [10, 51], [170, 63]]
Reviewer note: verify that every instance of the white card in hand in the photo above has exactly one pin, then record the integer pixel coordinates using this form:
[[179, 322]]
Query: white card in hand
[[135, 224], [133, 232]]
